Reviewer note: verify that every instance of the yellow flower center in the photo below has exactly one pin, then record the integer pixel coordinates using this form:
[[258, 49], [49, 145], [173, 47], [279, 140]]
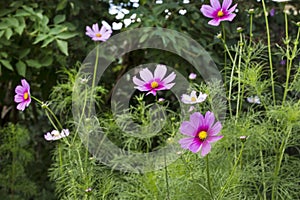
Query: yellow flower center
[[193, 99], [98, 35], [202, 135], [220, 13], [154, 84], [26, 95]]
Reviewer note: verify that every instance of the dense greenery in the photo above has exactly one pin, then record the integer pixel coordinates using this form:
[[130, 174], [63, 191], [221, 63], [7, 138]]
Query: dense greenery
[[45, 42]]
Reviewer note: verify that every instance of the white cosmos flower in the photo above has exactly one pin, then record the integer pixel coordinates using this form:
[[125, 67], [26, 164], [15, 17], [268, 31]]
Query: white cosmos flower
[[253, 99], [56, 135], [193, 99]]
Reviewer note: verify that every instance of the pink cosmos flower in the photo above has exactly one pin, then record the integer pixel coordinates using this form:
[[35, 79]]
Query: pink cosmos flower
[[192, 76], [22, 95], [153, 83], [99, 35], [56, 135], [201, 131], [218, 13]]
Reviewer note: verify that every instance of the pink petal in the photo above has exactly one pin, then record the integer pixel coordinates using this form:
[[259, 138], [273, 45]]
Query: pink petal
[[196, 119], [195, 145], [186, 99], [229, 17], [186, 128], [21, 106], [215, 129], [20, 90], [214, 22], [211, 139], [138, 81], [168, 86], [226, 4], [142, 88], [206, 147], [25, 84], [146, 75], [152, 92], [96, 27], [18, 98], [186, 142], [231, 10], [209, 119], [169, 78], [207, 11], [215, 4], [160, 72]]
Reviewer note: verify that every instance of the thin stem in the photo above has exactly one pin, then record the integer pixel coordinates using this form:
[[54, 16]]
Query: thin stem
[[251, 27], [232, 173], [279, 161], [269, 51], [167, 177], [225, 54], [263, 172], [239, 77], [208, 177]]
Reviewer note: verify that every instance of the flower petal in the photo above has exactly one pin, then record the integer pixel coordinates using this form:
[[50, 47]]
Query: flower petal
[[186, 128], [169, 78], [195, 146], [21, 106], [214, 138], [138, 81], [214, 22], [196, 119], [207, 11], [215, 129], [186, 99], [229, 17], [25, 84], [226, 4], [160, 72], [209, 119], [215, 4], [231, 10], [206, 147], [146, 75], [186, 142]]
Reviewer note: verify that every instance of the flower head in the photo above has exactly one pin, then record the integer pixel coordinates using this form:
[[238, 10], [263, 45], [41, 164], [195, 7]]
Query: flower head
[[192, 76], [217, 12], [22, 95], [253, 99], [193, 99], [201, 131], [56, 135], [272, 12], [99, 35], [154, 82]]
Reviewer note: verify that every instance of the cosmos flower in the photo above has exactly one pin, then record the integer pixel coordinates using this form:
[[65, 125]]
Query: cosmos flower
[[154, 82], [22, 95], [193, 99], [201, 131], [192, 76], [99, 35], [56, 135], [272, 12], [218, 13], [253, 99]]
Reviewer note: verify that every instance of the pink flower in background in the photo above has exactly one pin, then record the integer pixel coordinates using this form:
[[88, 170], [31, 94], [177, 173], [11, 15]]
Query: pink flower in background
[[201, 131], [99, 35], [192, 76], [217, 12], [22, 95], [153, 83], [56, 135]]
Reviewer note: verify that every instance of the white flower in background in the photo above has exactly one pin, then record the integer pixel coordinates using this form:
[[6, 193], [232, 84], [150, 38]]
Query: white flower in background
[[279, 1], [193, 99], [191, 108], [253, 99], [56, 135]]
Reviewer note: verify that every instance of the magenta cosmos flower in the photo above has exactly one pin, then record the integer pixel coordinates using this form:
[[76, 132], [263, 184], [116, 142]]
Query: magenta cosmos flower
[[218, 13], [22, 95], [153, 83], [99, 35], [201, 131]]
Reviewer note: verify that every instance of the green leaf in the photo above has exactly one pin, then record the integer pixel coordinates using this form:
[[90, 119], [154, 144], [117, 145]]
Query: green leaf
[[22, 13], [21, 68], [66, 35], [13, 22], [19, 29], [39, 38], [23, 53], [47, 41], [61, 5], [7, 64], [59, 19], [47, 60], [33, 63], [1, 33], [63, 46], [8, 33], [58, 29], [3, 25]]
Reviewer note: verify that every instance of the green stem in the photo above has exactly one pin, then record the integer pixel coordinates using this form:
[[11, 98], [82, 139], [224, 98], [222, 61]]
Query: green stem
[[208, 177], [239, 77], [263, 172], [232, 173], [225, 54], [167, 178], [251, 29], [269, 51], [279, 161]]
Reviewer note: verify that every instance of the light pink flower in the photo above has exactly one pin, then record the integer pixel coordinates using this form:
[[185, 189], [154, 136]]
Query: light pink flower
[[99, 35], [56, 135], [201, 131], [192, 76], [154, 82], [218, 13], [22, 95]]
